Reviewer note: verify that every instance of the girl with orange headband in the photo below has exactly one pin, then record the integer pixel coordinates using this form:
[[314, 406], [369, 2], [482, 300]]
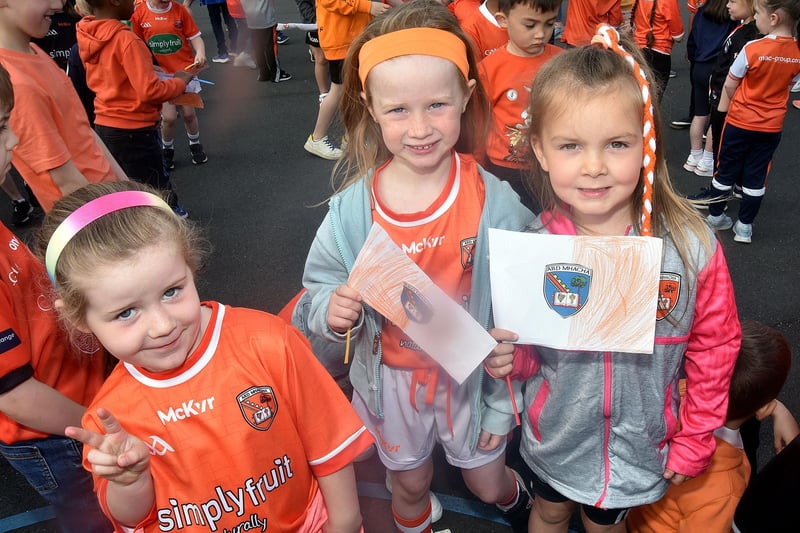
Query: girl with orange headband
[[412, 108], [211, 419], [603, 429]]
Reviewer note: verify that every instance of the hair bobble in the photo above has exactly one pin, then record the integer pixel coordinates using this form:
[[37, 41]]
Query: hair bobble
[[608, 37]]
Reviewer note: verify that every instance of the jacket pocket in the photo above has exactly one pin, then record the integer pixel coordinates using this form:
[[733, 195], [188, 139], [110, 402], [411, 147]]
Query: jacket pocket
[[535, 410]]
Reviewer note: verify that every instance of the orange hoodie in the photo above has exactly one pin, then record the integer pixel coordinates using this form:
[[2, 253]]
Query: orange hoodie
[[119, 69], [339, 22]]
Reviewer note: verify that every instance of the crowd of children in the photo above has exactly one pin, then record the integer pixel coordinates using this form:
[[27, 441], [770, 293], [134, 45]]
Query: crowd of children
[[454, 125]]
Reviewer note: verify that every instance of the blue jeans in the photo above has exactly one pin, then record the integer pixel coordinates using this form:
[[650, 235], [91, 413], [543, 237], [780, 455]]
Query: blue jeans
[[53, 467], [217, 13]]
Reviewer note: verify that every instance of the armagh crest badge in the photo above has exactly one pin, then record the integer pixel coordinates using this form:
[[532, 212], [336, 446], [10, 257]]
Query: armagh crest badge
[[669, 291], [259, 406], [566, 287], [468, 252]]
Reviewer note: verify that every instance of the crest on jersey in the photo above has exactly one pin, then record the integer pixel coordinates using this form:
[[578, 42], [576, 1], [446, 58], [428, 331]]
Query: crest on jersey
[[178, 24], [416, 307], [468, 252], [566, 287], [259, 406], [669, 292]]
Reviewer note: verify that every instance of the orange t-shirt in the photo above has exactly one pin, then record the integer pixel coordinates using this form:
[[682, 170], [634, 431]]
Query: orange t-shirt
[[507, 79], [240, 432], [339, 22], [463, 9], [440, 240], [32, 342], [235, 9], [51, 124], [583, 16], [484, 31], [766, 67], [667, 24], [167, 33]]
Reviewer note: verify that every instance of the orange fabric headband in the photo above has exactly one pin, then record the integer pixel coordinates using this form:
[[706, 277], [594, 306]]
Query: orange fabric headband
[[413, 41]]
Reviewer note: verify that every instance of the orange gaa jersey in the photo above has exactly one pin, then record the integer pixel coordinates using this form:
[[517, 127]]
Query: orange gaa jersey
[[583, 16], [239, 433], [507, 79], [32, 342], [766, 68], [485, 32], [167, 33], [667, 26], [441, 241]]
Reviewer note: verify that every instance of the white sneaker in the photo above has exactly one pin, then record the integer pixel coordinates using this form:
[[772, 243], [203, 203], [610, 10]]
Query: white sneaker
[[720, 223], [323, 148], [704, 169], [691, 163], [436, 505], [742, 232], [244, 60]]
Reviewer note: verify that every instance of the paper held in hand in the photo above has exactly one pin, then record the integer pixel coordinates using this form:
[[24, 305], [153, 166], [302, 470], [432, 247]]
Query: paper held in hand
[[391, 283], [568, 292]]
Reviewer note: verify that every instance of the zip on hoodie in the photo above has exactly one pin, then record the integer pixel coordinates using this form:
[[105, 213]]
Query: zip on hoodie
[[607, 387]]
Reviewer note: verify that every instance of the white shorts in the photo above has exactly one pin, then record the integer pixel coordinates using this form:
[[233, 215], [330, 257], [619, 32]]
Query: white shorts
[[405, 436]]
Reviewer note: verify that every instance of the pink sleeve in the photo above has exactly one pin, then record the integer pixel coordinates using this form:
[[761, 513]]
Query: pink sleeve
[[711, 354], [526, 362]]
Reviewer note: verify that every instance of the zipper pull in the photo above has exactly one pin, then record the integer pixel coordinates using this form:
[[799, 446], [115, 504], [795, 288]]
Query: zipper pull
[[376, 342]]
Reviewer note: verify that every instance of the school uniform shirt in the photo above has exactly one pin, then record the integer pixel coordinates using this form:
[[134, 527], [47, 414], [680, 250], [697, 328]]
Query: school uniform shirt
[[485, 32], [694, 5], [119, 69], [32, 342], [733, 44], [583, 16], [667, 25], [239, 433], [339, 22], [766, 68], [49, 120], [435, 240], [167, 33], [507, 79]]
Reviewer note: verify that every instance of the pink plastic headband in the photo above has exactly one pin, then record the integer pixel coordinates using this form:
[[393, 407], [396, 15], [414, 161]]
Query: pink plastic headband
[[88, 213]]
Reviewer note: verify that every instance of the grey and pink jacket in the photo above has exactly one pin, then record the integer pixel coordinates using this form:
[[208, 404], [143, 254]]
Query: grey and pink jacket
[[601, 427]]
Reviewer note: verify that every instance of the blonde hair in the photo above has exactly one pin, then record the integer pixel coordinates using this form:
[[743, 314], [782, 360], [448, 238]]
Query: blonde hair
[[111, 238], [579, 74], [365, 149]]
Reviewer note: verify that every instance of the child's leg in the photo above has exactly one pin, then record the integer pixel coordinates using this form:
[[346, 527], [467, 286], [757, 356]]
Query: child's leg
[[411, 504], [493, 482], [190, 122], [327, 111], [755, 172], [215, 16], [169, 121], [551, 510], [232, 25], [264, 52], [603, 520]]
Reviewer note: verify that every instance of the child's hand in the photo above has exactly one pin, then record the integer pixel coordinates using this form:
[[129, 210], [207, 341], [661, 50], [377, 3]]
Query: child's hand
[[200, 60], [184, 75], [784, 427], [500, 362], [674, 477], [192, 70], [378, 8], [117, 455], [489, 441], [344, 308]]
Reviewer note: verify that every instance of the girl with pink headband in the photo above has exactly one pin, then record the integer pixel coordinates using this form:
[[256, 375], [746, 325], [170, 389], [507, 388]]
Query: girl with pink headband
[[602, 429], [208, 400], [413, 109]]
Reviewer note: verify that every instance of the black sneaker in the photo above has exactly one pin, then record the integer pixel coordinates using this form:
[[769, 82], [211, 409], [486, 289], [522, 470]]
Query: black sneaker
[[22, 212], [282, 76], [517, 516], [281, 37], [707, 196], [198, 155], [681, 123], [169, 158]]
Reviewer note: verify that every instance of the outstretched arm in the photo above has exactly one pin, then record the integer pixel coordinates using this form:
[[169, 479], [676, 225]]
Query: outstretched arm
[[124, 461]]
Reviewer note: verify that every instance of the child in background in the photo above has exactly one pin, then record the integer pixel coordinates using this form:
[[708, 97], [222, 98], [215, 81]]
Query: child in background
[[44, 381], [262, 22], [583, 16], [128, 93], [162, 24], [707, 503], [484, 30], [411, 104], [243, 58], [657, 26], [58, 152], [217, 14], [757, 90], [507, 75], [621, 447], [308, 12], [123, 266], [338, 23]]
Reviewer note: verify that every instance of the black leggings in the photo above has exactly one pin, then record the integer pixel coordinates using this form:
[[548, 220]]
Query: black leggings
[[660, 64], [265, 53]]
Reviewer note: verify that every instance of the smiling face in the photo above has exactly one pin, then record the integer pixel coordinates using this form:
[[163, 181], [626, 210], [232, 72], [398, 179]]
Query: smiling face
[[418, 101], [29, 18], [591, 147], [145, 310], [529, 29]]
